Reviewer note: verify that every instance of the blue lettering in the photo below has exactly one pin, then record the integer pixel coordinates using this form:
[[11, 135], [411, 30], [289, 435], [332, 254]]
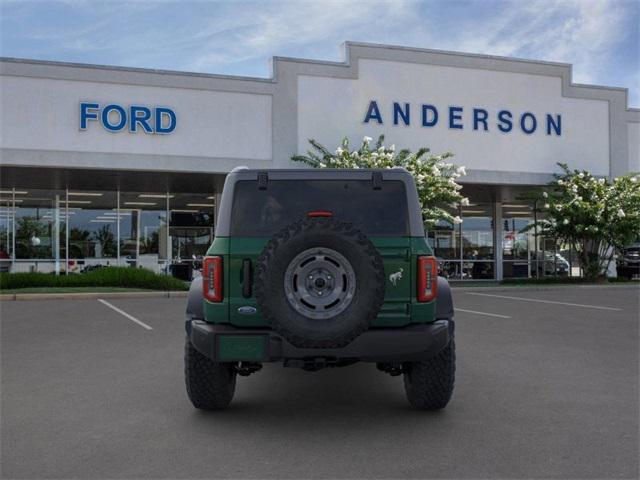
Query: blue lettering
[[139, 115], [556, 125], [105, 118], [455, 113], [373, 112], [505, 124], [162, 112], [523, 123], [399, 112], [425, 115], [480, 116], [86, 114]]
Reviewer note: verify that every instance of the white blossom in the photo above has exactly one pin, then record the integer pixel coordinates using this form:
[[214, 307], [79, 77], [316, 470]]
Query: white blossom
[[461, 170], [457, 220], [339, 151], [367, 139], [546, 205], [392, 148], [621, 213], [565, 221], [560, 182], [464, 202], [545, 195]]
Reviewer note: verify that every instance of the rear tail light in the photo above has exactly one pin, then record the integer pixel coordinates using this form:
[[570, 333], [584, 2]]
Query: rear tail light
[[212, 278], [319, 213], [427, 278]]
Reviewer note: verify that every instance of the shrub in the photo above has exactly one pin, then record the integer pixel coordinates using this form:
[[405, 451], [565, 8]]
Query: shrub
[[102, 277], [593, 215]]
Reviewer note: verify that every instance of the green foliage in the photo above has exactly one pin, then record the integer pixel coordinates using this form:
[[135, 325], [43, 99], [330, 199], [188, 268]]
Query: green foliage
[[596, 216], [434, 176], [107, 240], [101, 277]]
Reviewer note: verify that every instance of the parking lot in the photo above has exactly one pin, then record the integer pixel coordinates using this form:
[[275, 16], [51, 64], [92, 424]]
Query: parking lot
[[547, 386]]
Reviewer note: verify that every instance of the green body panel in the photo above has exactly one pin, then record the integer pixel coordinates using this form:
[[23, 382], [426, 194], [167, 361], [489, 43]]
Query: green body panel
[[241, 347], [399, 255]]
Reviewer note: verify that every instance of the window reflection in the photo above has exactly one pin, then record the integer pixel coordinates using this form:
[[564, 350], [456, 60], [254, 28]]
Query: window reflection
[[6, 230], [92, 229], [518, 240], [143, 229]]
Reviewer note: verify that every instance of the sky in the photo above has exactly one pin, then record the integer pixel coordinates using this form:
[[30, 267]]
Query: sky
[[601, 38]]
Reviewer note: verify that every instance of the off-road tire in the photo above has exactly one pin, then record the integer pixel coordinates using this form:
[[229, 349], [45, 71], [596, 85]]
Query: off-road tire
[[344, 327], [429, 383], [210, 385]]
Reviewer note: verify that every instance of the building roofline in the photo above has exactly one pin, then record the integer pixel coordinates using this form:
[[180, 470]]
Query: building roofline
[[55, 63], [346, 63]]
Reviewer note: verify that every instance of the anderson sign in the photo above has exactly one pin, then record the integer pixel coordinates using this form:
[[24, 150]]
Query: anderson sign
[[461, 118]]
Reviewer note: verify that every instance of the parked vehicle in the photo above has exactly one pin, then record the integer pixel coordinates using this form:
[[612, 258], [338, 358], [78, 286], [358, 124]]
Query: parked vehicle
[[315, 269], [554, 264], [628, 263]]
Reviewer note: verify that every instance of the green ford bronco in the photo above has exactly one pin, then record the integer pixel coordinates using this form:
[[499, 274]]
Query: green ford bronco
[[315, 269]]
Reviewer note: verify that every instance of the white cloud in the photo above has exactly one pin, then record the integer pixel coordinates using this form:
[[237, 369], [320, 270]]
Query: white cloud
[[581, 32], [272, 27], [230, 37]]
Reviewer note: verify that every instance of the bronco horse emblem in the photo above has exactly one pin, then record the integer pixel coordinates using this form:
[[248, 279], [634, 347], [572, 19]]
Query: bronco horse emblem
[[394, 277]]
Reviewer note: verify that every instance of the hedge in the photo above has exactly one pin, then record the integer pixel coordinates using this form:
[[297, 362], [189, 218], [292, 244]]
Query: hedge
[[102, 277]]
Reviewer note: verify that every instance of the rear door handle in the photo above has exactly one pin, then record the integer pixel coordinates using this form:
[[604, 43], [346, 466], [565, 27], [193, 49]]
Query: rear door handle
[[246, 278]]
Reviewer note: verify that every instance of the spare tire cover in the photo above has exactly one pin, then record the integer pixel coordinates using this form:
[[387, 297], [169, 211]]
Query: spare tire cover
[[319, 283]]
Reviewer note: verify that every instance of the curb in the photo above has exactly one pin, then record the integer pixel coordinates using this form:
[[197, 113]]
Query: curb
[[89, 295], [506, 288]]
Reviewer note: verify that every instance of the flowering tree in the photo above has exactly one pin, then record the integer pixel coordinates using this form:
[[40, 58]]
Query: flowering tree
[[593, 215], [435, 178]]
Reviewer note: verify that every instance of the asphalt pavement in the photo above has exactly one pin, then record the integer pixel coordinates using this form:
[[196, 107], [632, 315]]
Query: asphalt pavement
[[546, 387]]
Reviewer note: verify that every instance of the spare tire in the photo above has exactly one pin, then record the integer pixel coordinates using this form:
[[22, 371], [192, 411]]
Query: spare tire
[[319, 283]]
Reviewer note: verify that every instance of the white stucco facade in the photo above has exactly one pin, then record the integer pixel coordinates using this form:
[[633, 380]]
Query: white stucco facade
[[328, 106], [226, 121], [106, 165]]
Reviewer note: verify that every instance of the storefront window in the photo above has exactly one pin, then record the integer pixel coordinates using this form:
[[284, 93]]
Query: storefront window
[[92, 229], [477, 242], [444, 239], [144, 229], [191, 231], [518, 240], [6, 230], [39, 228]]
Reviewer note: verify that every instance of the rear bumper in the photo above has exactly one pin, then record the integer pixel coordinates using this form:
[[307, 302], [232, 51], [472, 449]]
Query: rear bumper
[[224, 343]]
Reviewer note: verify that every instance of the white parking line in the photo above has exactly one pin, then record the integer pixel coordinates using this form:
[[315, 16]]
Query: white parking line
[[544, 301], [125, 314], [481, 313]]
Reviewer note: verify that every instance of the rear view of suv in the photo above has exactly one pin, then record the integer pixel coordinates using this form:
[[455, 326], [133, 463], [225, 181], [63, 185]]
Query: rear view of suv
[[319, 268]]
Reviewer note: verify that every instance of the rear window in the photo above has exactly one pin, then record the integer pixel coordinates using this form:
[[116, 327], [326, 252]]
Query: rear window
[[264, 212]]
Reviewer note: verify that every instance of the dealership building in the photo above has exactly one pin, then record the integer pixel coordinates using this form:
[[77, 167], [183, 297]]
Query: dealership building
[[105, 165]]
